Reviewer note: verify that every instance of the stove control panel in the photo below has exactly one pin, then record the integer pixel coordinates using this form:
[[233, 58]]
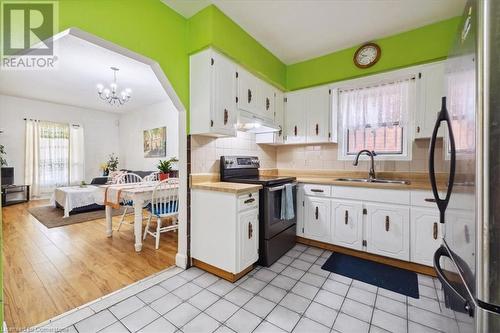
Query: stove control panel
[[240, 162]]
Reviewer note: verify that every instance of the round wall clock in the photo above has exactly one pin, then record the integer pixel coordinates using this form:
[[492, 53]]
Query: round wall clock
[[367, 55]]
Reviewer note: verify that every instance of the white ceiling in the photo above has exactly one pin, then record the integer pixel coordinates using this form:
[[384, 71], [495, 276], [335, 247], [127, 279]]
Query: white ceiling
[[297, 30], [81, 66]]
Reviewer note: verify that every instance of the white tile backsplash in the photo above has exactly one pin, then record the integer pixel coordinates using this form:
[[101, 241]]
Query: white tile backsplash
[[206, 152]]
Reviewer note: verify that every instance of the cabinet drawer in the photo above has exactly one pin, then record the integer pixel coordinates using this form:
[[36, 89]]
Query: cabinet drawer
[[401, 197], [418, 198], [248, 201], [317, 190]]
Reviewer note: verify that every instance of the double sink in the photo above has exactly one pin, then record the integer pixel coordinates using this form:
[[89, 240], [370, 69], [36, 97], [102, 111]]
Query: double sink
[[375, 180]]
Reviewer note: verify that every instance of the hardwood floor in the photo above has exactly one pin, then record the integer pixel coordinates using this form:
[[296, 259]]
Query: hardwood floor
[[50, 271]]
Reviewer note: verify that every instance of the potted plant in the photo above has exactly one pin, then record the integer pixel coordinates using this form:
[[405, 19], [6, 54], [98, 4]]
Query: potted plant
[[110, 165], [3, 161], [112, 162], [165, 168]]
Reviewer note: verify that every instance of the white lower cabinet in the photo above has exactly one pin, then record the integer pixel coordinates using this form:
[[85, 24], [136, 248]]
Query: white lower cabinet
[[248, 229], [398, 224], [426, 234], [388, 230], [347, 223], [317, 218], [228, 238]]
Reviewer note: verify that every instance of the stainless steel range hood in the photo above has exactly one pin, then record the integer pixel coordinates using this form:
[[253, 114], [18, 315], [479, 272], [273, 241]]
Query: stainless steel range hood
[[249, 122]]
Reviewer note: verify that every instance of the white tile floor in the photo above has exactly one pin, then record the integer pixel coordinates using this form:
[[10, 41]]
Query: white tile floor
[[293, 295]]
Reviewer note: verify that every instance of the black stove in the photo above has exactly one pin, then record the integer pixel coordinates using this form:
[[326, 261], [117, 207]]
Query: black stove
[[245, 169], [276, 235], [262, 180]]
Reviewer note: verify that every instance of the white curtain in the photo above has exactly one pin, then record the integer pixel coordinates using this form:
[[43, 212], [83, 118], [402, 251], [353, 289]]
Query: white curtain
[[31, 172], [461, 88], [384, 105], [54, 156], [77, 155]]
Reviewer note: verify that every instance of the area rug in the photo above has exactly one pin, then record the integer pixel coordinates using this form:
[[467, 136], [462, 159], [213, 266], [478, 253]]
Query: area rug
[[52, 217], [384, 276]]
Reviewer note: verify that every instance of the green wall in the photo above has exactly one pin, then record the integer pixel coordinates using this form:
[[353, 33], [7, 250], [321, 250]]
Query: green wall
[[147, 27], [424, 44], [211, 27]]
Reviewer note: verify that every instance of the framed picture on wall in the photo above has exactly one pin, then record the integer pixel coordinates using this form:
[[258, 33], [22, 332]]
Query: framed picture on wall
[[155, 142]]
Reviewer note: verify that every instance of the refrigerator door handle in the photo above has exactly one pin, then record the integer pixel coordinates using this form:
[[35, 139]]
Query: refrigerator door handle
[[443, 252], [442, 204]]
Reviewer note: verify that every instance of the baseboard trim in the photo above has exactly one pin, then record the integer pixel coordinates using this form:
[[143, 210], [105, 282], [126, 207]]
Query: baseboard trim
[[417, 268], [231, 277], [181, 260]]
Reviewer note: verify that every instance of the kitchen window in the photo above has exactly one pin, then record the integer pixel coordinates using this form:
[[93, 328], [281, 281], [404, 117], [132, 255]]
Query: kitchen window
[[375, 117], [461, 105]]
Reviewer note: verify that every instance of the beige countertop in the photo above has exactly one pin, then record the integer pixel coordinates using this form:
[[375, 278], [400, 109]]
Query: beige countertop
[[418, 181], [236, 188]]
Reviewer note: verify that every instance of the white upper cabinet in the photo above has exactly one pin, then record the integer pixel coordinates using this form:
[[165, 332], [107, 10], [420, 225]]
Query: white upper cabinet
[[295, 117], [274, 138], [318, 114], [249, 93], [255, 96], [212, 94], [307, 115], [431, 90], [268, 96]]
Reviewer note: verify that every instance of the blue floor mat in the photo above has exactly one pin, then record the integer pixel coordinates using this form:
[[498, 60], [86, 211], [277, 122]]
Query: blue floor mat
[[384, 276]]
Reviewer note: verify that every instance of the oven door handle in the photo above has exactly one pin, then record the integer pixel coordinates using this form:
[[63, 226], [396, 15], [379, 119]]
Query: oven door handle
[[277, 188]]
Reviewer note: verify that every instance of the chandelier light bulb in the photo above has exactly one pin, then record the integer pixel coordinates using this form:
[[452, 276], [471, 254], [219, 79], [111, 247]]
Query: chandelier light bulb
[[111, 94]]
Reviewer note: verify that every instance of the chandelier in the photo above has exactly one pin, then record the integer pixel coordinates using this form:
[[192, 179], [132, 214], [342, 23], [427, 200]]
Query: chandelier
[[111, 94]]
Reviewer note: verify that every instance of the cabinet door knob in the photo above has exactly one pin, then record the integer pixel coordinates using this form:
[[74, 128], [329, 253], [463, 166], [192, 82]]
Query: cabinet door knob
[[280, 132], [317, 129], [316, 213], [418, 129], [317, 190], [250, 230], [249, 93], [346, 217], [295, 130], [435, 231], [226, 116], [247, 201], [387, 222], [211, 123], [268, 103]]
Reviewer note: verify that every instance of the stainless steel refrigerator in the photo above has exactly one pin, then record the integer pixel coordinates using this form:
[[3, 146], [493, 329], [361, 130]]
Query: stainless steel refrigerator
[[468, 261]]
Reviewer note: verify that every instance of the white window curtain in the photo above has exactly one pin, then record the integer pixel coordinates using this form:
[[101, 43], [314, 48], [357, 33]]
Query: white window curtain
[[53, 156], [461, 105], [77, 155], [384, 105]]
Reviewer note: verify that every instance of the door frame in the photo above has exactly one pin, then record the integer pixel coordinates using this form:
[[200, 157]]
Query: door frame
[[181, 258]]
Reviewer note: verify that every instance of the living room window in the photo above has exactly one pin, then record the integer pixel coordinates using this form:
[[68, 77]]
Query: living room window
[[54, 155], [375, 117]]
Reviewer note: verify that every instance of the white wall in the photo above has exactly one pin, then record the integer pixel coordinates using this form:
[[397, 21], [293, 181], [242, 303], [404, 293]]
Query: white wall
[[100, 128], [132, 125]]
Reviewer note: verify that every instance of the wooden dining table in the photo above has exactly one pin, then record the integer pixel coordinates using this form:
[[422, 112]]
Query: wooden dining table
[[140, 194]]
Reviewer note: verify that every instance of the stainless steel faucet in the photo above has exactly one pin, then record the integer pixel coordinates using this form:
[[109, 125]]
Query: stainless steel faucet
[[371, 173]]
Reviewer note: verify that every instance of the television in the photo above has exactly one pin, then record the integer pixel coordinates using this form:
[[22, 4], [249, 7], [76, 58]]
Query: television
[[7, 174]]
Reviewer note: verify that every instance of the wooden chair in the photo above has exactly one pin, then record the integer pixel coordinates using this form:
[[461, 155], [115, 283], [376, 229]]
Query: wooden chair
[[164, 204], [127, 178]]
